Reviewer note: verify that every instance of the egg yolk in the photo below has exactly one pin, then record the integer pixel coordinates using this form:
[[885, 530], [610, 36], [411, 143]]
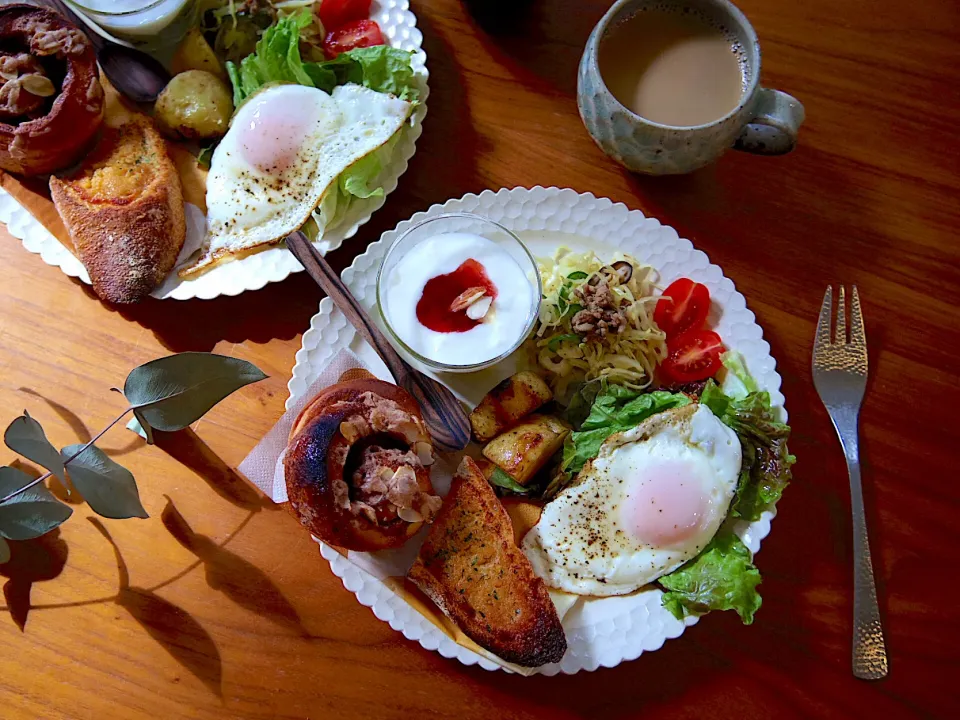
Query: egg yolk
[[667, 505], [273, 137]]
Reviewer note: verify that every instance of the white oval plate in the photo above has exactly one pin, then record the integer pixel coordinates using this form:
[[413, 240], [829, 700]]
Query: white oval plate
[[605, 631], [399, 25]]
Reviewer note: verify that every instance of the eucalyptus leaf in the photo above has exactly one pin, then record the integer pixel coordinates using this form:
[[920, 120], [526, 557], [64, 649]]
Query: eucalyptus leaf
[[107, 486], [4, 551], [25, 436], [145, 431], [29, 514], [135, 426], [171, 393]]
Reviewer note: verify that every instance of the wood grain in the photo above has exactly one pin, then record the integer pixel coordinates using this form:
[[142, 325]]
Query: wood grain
[[444, 415], [224, 608]]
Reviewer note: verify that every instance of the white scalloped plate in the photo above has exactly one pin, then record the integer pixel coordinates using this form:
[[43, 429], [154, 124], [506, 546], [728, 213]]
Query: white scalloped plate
[[607, 631], [399, 25]]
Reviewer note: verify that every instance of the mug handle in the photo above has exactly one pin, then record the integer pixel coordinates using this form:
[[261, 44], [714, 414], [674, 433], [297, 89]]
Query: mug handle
[[772, 130]]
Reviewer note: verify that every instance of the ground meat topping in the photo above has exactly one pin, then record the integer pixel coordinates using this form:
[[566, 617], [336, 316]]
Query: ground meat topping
[[377, 414], [385, 486], [601, 313]]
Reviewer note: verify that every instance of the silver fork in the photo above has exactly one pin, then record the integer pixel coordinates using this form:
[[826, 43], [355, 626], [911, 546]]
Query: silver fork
[[840, 376]]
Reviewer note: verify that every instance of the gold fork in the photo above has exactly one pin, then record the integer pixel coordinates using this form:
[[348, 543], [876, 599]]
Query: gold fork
[[840, 376]]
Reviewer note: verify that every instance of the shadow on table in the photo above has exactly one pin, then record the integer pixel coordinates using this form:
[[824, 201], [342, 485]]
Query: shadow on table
[[187, 448], [445, 164], [31, 561], [277, 311], [228, 573], [172, 627], [545, 37], [667, 675], [73, 420]]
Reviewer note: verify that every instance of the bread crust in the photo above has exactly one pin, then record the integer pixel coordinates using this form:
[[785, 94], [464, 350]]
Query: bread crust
[[61, 137], [314, 464], [350, 389], [128, 243], [472, 569]]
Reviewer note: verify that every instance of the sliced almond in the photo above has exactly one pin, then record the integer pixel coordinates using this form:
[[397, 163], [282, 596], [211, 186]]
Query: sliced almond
[[409, 515], [479, 309], [424, 452], [467, 298], [352, 430], [37, 84]]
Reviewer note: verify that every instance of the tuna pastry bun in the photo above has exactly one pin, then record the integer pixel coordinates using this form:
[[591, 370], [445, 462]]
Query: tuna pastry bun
[[357, 466]]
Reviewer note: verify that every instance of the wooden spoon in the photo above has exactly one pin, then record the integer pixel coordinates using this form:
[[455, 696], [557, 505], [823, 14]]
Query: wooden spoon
[[443, 414]]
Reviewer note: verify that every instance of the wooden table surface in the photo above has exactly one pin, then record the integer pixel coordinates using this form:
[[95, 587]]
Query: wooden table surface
[[222, 607]]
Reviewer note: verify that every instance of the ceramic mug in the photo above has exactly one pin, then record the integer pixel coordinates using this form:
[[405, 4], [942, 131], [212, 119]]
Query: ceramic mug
[[764, 122]]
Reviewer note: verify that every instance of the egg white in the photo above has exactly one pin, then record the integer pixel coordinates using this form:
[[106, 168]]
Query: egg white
[[249, 206], [582, 543]]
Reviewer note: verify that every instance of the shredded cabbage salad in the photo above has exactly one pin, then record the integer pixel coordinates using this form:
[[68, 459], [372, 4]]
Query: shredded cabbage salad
[[233, 27], [626, 357]]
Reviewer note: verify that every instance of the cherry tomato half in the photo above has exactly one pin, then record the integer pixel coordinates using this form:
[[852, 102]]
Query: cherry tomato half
[[683, 306], [334, 13], [357, 34], [692, 356]]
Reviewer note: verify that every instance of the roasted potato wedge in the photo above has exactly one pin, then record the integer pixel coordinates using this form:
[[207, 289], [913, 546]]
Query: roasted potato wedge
[[507, 404], [195, 53], [486, 467], [195, 105], [525, 449]]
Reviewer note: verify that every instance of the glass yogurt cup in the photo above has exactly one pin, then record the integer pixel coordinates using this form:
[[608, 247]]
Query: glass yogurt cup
[[150, 25], [443, 263]]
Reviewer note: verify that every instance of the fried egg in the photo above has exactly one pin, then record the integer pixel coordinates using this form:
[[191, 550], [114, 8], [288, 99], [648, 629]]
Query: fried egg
[[284, 150], [653, 497]]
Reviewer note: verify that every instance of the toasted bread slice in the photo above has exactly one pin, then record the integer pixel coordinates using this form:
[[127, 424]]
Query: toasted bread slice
[[473, 570], [124, 210]]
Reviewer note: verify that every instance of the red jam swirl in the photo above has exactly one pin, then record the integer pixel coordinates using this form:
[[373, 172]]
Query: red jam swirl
[[433, 308]]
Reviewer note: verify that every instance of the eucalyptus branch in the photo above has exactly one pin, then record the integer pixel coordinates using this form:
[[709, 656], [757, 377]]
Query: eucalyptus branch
[[167, 394], [70, 459]]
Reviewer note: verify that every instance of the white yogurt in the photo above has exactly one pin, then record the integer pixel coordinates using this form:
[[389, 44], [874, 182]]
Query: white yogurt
[[504, 323]]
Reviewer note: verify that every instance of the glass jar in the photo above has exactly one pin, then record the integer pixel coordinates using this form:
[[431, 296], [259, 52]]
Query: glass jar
[[150, 25]]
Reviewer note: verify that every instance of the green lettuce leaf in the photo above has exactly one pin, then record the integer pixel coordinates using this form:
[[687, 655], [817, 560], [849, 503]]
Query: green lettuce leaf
[[766, 468], [277, 60], [502, 479], [722, 577], [581, 401], [384, 69], [357, 180], [739, 381], [615, 408]]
